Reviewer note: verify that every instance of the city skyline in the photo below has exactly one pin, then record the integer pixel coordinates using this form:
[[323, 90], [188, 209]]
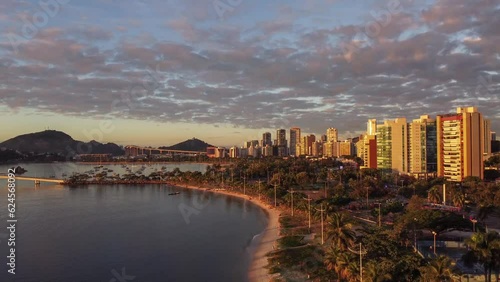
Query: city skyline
[[181, 69]]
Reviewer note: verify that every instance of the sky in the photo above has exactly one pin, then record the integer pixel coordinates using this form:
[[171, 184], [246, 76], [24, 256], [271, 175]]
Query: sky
[[157, 72]]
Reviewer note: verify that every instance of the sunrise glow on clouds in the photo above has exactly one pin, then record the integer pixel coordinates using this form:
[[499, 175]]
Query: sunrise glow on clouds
[[226, 71]]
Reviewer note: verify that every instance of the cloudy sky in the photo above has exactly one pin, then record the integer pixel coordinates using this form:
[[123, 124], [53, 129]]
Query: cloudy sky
[[226, 71]]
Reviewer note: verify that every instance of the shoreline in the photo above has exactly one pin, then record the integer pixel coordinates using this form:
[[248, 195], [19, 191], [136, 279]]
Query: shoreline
[[257, 271]]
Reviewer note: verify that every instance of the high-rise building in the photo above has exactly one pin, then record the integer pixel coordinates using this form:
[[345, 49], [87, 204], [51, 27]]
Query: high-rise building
[[367, 150], [234, 152], [255, 151], [346, 148], [243, 152], [487, 139], [317, 149], [371, 127], [294, 140], [422, 146], [251, 143], [324, 138], [216, 152], [306, 145], [332, 135], [392, 145], [280, 137], [281, 142], [493, 136], [266, 139], [267, 151], [460, 144]]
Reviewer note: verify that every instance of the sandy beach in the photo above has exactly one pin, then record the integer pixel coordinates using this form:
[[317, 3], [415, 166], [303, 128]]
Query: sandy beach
[[257, 271]]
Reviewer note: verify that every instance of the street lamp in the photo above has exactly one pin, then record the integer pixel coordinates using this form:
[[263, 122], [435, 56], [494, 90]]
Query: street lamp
[[379, 215], [291, 194], [415, 234], [367, 193], [244, 184], [322, 236], [260, 181], [361, 253], [326, 185], [434, 233], [474, 221], [309, 201], [275, 193]]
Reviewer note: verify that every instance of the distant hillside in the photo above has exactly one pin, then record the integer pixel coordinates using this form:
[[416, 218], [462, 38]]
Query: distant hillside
[[190, 145], [57, 142]]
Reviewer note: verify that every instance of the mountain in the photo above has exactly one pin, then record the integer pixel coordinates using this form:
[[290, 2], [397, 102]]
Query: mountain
[[190, 145], [57, 142]]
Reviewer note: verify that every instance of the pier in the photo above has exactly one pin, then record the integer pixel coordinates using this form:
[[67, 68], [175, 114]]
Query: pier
[[37, 180]]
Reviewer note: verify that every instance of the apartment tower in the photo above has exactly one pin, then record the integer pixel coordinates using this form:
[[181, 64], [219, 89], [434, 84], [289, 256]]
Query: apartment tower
[[422, 146], [392, 145], [294, 140], [460, 144]]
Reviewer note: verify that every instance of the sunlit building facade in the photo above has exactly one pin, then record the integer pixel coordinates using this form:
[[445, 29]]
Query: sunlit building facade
[[460, 144], [294, 140], [422, 146], [367, 150], [392, 145], [332, 135]]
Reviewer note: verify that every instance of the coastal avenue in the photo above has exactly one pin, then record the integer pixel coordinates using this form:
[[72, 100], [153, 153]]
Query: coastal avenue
[[137, 150], [37, 180]]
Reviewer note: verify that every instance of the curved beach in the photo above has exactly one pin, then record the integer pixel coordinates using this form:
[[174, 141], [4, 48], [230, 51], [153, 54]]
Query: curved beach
[[257, 271]]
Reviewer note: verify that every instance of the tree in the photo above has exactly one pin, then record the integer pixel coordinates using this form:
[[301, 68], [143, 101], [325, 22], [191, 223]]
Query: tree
[[331, 257], [375, 273], [342, 265], [458, 196], [484, 249], [434, 195], [438, 269], [340, 230], [415, 203], [302, 179]]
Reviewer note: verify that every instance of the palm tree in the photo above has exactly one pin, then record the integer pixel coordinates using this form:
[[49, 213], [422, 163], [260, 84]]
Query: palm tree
[[374, 273], [439, 269], [485, 249], [434, 195], [343, 266], [352, 270], [331, 258], [340, 230], [458, 198]]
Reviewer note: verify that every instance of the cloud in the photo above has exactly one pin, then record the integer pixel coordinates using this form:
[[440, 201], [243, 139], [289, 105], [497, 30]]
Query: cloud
[[256, 72]]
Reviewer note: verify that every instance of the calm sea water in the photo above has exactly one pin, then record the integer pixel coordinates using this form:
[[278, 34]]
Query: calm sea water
[[127, 233]]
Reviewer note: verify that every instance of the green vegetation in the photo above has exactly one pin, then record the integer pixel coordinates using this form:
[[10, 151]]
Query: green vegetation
[[349, 198]]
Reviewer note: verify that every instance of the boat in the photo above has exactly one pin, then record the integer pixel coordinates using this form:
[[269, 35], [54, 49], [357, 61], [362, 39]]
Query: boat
[[174, 193]]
